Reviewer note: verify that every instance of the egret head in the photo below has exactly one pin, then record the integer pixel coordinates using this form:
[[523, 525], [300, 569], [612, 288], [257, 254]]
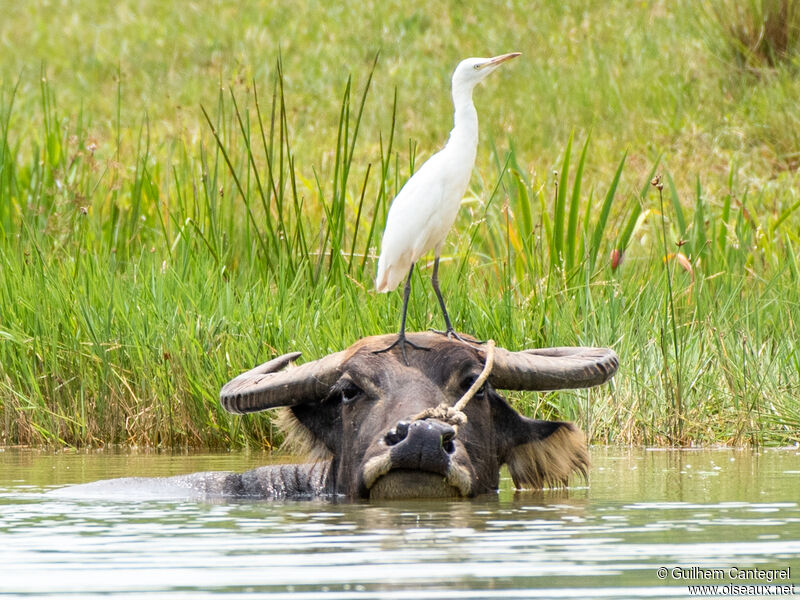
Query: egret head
[[471, 71]]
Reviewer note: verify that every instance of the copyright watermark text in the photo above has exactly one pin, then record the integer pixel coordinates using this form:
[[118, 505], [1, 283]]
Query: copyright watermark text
[[732, 581]]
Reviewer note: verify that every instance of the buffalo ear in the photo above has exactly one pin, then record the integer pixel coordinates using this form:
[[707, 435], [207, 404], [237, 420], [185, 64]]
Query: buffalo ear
[[556, 451], [539, 454]]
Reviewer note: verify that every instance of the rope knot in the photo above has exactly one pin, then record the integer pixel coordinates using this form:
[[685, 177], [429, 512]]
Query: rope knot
[[445, 413]]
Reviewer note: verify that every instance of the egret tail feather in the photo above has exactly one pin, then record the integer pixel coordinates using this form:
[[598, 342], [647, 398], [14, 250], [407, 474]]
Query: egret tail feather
[[388, 279]]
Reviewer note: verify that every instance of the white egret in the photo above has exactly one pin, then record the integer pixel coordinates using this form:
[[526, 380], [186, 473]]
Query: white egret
[[426, 207]]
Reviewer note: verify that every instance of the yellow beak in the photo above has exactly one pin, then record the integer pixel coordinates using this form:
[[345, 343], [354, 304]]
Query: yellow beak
[[494, 61]]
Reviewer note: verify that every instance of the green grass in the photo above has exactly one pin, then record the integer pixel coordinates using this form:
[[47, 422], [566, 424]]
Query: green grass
[[187, 191]]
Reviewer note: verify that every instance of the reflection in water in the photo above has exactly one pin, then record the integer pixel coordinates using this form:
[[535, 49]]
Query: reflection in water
[[641, 510]]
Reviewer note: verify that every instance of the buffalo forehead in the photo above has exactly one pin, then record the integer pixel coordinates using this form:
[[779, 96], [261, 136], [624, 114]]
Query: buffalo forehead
[[438, 364]]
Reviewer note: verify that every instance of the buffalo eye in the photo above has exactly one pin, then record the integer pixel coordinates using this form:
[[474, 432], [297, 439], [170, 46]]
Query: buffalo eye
[[347, 391], [468, 381]]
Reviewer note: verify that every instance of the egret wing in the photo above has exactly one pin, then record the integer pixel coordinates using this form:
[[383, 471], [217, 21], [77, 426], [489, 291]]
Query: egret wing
[[413, 225]]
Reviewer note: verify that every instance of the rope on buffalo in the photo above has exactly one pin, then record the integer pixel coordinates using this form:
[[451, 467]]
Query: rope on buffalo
[[454, 415]]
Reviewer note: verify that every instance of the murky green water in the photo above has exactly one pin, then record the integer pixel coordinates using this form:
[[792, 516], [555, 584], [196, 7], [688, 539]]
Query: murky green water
[[702, 509]]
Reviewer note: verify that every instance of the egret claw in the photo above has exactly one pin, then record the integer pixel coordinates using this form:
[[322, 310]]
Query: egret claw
[[401, 341], [451, 333]]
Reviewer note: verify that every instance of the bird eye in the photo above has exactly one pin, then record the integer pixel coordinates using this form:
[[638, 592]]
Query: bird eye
[[476, 67]]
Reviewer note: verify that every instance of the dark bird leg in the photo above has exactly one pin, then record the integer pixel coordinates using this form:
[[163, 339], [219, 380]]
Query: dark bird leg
[[449, 332], [401, 337], [435, 282]]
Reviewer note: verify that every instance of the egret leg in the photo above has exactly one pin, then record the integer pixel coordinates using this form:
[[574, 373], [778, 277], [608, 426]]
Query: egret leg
[[435, 282], [401, 337], [450, 332]]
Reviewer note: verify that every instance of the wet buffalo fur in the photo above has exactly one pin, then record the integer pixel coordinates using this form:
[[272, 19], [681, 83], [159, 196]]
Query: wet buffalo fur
[[346, 419], [546, 463], [361, 419], [539, 454]]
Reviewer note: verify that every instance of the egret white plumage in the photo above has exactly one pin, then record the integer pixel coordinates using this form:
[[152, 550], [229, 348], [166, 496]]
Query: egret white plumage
[[426, 207]]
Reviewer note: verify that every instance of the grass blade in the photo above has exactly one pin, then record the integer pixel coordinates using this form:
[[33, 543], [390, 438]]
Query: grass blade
[[605, 210]]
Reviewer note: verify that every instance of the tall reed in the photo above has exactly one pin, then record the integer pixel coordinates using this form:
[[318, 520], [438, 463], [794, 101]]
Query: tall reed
[[136, 281]]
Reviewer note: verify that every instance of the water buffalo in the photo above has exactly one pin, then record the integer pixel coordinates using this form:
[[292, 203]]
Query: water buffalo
[[377, 426], [358, 413]]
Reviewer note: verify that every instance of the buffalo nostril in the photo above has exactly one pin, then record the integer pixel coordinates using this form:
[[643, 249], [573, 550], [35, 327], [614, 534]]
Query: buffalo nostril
[[397, 434], [447, 441]]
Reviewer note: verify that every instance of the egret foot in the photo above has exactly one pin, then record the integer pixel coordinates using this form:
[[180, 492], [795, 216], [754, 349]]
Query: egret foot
[[401, 341], [451, 333]]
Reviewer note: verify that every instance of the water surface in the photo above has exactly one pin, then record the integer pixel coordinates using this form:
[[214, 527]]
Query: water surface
[[642, 509]]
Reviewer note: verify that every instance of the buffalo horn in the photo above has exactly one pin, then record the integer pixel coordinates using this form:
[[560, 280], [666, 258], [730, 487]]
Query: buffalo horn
[[267, 386], [547, 369]]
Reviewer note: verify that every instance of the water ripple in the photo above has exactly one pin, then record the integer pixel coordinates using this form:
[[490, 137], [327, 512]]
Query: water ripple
[[604, 541]]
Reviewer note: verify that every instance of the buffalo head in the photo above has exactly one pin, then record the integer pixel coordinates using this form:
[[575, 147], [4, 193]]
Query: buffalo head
[[362, 410]]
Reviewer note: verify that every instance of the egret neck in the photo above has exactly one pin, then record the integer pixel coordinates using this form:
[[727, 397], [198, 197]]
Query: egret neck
[[464, 135]]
